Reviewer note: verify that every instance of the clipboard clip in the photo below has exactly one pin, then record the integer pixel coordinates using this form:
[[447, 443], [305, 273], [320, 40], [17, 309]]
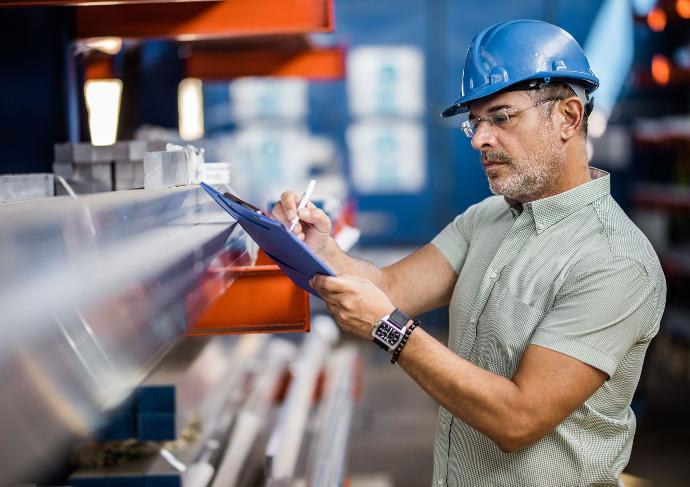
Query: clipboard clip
[[249, 206]]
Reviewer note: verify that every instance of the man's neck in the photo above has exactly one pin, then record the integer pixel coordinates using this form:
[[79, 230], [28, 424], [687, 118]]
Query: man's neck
[[570, 180], [574, 174]]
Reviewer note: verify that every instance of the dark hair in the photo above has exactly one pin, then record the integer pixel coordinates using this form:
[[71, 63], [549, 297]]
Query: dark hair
[[558, 90]]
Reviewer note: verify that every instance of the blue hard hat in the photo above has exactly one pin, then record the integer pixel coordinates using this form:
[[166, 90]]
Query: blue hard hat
[[518, 51]]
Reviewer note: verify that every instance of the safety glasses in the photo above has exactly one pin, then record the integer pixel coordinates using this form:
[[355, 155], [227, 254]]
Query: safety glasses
[[499, 118]]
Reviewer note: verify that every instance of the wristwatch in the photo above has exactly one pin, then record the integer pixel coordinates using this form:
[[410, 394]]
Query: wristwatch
[[390, 330]]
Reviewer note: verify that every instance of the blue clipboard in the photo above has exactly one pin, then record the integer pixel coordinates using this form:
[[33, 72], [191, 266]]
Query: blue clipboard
[[290, 253]]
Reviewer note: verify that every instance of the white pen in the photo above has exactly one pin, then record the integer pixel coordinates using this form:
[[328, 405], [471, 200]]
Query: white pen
[[302, 203]]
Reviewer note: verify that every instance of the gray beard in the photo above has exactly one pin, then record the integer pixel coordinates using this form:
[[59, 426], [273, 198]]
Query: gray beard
[[528, 178], [522, 185]]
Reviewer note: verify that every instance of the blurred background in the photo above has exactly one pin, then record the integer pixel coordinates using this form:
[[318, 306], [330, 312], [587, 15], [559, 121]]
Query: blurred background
[[100, 278]]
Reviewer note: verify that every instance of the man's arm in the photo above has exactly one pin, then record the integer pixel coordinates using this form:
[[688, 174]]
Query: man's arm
[[420, 282], [547, 387], [602, 310]]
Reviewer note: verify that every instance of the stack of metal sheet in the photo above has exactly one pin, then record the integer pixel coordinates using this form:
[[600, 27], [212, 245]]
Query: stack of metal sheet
[[93, 292], [93, 169], [21, 187]]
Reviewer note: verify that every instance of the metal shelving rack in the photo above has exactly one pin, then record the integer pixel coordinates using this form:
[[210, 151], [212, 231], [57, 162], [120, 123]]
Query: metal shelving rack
[[95, 290]]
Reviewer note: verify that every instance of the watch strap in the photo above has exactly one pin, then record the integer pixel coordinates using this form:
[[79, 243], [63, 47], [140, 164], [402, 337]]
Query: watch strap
[[398, 318], [381, 344]]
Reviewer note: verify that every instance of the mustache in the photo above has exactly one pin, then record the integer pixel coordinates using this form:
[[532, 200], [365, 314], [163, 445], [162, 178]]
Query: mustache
[[495, 155]]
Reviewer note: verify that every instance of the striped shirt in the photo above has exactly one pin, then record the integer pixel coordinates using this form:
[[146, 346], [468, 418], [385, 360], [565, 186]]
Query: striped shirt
[[570, 273]]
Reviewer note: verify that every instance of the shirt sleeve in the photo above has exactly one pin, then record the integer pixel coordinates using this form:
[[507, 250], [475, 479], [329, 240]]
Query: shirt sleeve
[[454, 240], [600, 313]]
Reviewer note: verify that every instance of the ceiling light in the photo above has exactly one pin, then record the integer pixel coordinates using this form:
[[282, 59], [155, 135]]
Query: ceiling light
[[103, 104], [108, 45], [190, 107]]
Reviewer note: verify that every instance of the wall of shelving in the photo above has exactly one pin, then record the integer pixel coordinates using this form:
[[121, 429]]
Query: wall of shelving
[[657, 112]]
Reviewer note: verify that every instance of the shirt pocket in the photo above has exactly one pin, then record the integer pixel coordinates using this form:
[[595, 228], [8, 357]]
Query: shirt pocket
[[504, 329]]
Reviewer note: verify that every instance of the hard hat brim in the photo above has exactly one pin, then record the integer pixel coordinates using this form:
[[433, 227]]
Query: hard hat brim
[[455, 109], [460, 105]]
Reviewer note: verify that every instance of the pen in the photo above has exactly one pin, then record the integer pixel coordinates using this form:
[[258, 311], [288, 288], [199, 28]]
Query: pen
[[303, 202]]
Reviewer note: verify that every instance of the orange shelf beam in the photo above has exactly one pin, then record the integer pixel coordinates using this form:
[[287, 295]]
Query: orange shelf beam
[[205, 20], [44, 3], [100, 67], [261, 300], [313, 63]]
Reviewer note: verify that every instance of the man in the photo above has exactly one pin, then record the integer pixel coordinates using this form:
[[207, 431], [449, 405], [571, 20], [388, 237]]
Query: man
[[554, 294]]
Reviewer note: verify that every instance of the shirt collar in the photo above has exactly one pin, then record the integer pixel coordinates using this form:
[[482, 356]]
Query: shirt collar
[[553, 209], [515, 206]]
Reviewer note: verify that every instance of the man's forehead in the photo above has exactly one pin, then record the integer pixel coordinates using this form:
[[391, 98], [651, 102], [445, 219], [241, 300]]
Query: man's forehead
[[503, 99]]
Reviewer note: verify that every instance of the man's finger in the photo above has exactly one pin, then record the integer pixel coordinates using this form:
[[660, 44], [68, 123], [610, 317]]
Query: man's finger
[[297, 230], [279, 214], [289, 201], [328, 284], [317, 218]]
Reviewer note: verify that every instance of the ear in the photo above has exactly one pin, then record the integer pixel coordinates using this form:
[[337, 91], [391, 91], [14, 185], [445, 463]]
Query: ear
[[572, 114]]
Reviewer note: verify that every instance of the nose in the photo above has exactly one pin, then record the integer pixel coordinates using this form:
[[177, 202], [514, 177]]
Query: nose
[[484, 136]]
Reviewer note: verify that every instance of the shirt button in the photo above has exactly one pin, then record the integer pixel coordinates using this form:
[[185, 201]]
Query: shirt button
[[493, 275], [540, 226]]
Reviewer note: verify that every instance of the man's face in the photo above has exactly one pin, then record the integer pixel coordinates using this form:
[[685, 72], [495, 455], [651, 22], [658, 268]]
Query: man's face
[[523, 159]]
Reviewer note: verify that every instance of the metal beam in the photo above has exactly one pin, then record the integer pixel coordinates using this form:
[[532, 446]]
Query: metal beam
[[204, 20], [312, 63], [74, 3]]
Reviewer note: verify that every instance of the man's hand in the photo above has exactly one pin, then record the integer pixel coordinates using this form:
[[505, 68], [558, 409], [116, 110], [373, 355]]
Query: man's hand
[[314, 227], [356, 303]]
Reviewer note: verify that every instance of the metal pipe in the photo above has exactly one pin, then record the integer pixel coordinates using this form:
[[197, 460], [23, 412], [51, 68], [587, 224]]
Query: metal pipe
[[286, 440], [329, 450]]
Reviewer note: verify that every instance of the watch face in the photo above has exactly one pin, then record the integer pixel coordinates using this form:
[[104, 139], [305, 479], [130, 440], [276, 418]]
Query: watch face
[[393, 337], [383, 330], [388, 334]]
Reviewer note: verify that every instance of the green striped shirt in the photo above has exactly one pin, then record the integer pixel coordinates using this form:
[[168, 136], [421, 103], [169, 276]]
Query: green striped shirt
[[571, 273]]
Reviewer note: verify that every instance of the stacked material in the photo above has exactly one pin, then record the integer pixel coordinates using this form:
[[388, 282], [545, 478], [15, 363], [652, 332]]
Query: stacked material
[[264, 412], [118, 278], [21, 187], [286, 442], [170, 398], [175, 166], [129, 162], [191, 397], [328, 452], [93, 169]]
